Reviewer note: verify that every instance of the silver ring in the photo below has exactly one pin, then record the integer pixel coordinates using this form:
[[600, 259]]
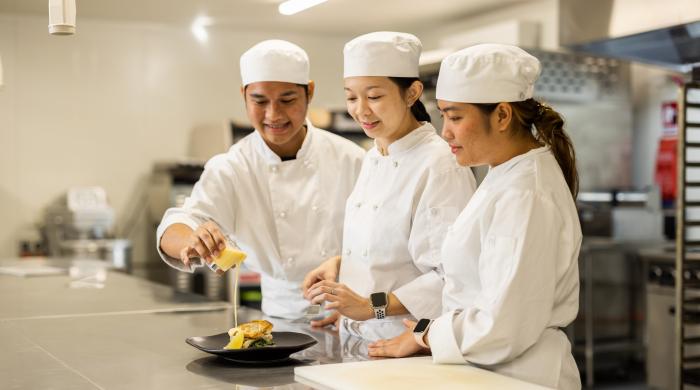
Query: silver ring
[[332, 291]]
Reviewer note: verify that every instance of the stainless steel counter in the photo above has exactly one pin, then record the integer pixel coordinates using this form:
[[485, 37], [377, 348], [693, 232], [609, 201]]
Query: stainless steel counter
[[142, 351], [131, 334], [51, 296]]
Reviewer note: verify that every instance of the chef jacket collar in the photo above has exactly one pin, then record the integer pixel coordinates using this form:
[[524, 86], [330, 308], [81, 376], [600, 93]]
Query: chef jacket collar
[[271, 158], [506, 166], [408, 141]]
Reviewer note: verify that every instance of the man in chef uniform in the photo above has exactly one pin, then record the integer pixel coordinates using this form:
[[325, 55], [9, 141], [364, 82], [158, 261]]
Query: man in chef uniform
[[279, 193]]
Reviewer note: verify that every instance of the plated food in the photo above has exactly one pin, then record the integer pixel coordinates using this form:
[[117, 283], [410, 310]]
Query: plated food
[[285, 344], [254, 334]]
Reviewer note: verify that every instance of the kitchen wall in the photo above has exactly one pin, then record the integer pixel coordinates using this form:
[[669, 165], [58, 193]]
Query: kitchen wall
[[100, 107], [543, 12]]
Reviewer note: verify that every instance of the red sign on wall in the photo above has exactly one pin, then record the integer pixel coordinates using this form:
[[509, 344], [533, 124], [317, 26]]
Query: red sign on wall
[[669, 119]]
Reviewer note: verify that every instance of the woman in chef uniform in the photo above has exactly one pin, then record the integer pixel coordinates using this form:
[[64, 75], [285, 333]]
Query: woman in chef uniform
[[510, 259], [279, 193], [409, 191]]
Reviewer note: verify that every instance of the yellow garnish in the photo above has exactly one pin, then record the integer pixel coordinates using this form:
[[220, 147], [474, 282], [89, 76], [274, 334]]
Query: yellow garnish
[[229, 258], [236, 341]]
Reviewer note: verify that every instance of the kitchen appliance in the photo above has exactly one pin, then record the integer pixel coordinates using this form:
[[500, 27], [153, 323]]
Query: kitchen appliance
[[660, 312], [80, 224], [660, 32], [622, 215]]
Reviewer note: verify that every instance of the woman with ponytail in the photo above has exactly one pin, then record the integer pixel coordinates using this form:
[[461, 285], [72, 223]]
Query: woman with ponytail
[[409, 191], [511, 257]]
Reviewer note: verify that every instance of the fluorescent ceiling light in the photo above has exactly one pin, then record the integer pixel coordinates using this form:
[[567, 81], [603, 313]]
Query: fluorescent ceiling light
[[290, 7]]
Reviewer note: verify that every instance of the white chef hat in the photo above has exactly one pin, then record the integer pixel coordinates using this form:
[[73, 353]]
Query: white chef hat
[[275, 60], [488, 73], [382, 53]]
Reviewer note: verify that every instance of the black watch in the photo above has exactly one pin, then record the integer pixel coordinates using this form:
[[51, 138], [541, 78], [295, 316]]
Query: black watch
[[379, 301], [419, 330]]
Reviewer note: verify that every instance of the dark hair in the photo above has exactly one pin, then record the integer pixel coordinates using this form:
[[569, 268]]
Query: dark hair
[[305, 86], [549, 126], [417, 109]]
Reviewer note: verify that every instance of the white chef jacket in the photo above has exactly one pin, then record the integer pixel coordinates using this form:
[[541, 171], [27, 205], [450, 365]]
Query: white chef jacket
[[511, 275], [395, 221], [286, 215]]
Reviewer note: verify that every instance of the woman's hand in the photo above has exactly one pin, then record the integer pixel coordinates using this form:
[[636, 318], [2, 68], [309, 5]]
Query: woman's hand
[[328, 270], [340, 298], [332, 319], [206, 242], [400, 346]]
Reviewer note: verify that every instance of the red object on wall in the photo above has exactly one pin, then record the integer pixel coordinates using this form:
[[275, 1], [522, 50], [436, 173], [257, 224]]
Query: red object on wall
[[669, 118], [666, 168]]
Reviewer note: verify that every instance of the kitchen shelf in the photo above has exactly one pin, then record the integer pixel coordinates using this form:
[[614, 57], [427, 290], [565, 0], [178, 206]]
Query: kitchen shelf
[[686, 288]]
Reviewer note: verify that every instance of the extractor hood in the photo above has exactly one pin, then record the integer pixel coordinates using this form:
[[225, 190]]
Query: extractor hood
[[660, 32]]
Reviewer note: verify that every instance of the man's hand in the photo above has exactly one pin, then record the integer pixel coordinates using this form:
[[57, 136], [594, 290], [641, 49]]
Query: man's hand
[[206, 242]]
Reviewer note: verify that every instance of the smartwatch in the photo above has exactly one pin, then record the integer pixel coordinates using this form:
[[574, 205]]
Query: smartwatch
[[420, 329], [379, 300]]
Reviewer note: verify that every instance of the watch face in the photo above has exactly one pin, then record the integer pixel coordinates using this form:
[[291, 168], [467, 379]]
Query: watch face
[[421, 325], [378, 299]]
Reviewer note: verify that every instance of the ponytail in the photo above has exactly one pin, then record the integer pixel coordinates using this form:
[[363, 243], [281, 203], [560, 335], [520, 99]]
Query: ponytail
[[419, 112], [549, 127], [549, 131], [418, 108]]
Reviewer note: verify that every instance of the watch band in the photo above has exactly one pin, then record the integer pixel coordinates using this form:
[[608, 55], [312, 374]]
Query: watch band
[[379, 312], [419, 336], [378, 302], [419, 339]]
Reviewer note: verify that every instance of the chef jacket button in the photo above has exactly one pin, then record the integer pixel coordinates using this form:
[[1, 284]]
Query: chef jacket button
[[282, 214], [274, 168], [358, 204], [376, 162], [375, 207], [290, 260], [324, 253], [396, 164], [348, 251], [433, 211], [314, 208]]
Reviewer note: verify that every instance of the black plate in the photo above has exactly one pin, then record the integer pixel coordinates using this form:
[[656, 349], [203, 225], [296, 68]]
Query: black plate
[[286, 343]]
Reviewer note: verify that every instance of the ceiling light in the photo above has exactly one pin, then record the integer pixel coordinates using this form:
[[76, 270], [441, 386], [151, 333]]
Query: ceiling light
[[199, 28], [290, 7], [61, 17]]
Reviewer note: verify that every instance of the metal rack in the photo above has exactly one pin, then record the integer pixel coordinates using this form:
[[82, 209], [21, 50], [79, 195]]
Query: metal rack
[[688, 240]]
